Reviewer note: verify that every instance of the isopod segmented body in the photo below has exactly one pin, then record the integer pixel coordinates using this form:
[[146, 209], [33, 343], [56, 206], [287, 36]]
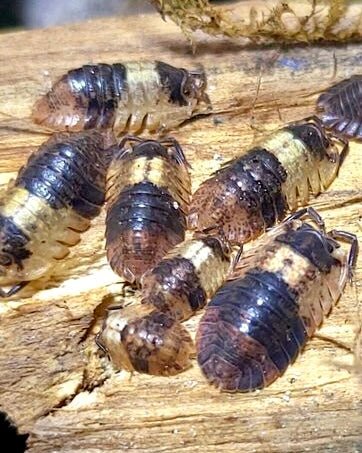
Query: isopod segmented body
[[341, 107], [53, 199], [254, 191], [148, 193], [149, 338], [129, 96], [187, 276], [259, 321]]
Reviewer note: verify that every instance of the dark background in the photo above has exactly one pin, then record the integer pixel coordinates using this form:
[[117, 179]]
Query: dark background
[[45, 13], [8, 14]]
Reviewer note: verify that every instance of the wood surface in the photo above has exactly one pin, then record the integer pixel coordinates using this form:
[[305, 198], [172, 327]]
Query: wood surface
[[52, 381]]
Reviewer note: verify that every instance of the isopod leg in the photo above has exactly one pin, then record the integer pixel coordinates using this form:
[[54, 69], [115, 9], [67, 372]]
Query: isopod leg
[[99, 343], [180, 156], [353, 251], [216, 228], [344, 150], [13, 290], [312, 213], [205, 98], [129, 138], [237, 257]]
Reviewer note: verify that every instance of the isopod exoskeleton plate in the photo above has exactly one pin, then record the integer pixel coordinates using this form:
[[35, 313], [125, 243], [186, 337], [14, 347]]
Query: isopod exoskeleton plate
[[341, 107]]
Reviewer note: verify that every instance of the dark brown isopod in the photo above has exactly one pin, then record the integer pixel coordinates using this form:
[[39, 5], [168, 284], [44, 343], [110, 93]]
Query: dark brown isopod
[[148, 193], [149, 338], [254, 191], [258, 322], [53, 199]]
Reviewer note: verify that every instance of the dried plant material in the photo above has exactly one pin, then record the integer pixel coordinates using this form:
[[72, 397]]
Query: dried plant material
[[268, 21]]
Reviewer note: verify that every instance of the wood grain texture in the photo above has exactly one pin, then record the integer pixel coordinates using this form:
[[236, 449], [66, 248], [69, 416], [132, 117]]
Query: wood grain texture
[[53, 383]]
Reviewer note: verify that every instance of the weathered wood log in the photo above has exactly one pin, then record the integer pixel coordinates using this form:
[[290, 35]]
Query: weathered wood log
[[53, 383]]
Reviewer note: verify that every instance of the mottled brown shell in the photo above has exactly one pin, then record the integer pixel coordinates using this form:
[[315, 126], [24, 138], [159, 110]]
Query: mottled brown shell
[[262, 317], [252, 192]]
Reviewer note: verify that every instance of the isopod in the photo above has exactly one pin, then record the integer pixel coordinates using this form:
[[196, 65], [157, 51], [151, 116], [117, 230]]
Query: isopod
[[259, 321], [251, 193], [53, 199], [141, 338], [130, 96], [341, 107], [148, 194], [149, 338], [187, 276]]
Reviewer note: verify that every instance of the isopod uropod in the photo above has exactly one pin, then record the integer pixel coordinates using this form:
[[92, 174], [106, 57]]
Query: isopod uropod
[[53, 199], [254, 191], [149, 337], [148, 193], [130, 96], [259, 321], [341, 107]]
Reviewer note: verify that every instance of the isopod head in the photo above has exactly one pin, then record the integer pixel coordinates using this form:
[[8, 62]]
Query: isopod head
[[194, 86]]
